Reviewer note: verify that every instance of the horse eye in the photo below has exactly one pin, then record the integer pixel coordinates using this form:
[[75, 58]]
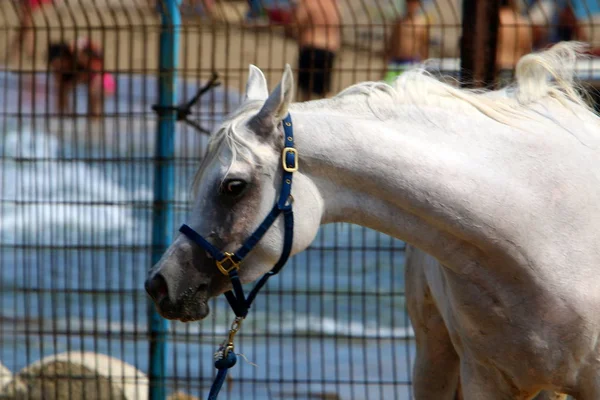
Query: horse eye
[[233, 187]]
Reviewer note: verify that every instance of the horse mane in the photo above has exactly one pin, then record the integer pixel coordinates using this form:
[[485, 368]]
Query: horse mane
[[547, 74], [544, 75]]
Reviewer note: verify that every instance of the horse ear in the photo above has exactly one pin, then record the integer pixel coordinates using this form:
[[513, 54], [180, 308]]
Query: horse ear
[[256, 86], [276, 106]]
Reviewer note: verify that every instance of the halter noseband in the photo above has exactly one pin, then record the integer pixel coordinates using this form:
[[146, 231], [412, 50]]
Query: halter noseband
[[229, 263]]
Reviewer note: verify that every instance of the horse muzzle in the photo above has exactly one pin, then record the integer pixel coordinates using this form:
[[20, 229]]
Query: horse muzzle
[[178, 288]]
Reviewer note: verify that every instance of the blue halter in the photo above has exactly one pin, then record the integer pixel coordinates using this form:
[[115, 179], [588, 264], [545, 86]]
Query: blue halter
[[229, 263]]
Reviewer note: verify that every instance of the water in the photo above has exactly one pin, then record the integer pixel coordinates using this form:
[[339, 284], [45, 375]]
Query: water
[[75, 228]]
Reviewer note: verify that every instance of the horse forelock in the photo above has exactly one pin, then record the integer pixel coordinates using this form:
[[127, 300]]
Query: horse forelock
[[229, 135]]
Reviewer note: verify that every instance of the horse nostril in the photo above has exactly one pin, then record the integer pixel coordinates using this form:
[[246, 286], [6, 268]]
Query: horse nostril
[[156, 287]]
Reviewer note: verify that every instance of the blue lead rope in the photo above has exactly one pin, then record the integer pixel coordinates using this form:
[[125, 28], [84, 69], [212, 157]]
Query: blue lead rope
[[223, 366], [228, 263]]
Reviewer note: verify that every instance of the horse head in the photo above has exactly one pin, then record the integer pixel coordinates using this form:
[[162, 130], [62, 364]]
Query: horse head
[[235, 188]]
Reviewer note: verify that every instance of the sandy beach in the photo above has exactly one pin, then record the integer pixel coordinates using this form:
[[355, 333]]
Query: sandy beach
[[129, 32]]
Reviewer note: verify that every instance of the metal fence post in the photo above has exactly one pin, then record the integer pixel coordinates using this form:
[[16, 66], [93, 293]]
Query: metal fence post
[[480, 21], [162, 212]]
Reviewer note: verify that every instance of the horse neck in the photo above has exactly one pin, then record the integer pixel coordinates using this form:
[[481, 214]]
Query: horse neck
[[405, 177]]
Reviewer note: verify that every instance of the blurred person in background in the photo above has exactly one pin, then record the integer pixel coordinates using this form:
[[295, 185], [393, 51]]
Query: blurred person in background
[[188, 8], [25, 39], [256, 10], [515, 39], [554, 21], [80, 62], [199, 8], [315, 24], [408, 43]]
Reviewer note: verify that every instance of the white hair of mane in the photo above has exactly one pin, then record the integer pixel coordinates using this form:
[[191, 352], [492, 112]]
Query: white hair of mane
[[547, 74]]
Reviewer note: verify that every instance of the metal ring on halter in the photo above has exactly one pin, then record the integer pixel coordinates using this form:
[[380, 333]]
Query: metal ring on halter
[[232, 264], [235, 327]]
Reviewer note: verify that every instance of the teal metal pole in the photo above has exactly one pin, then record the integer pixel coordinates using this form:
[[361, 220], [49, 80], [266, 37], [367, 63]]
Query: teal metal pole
[[162, 212]]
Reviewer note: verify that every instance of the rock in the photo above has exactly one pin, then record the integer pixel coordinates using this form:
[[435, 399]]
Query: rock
[[5, 376], [10, 386], [181, 396], [80, 376]]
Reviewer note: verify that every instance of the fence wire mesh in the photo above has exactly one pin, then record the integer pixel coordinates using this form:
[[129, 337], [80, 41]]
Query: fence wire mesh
[[76, 195]]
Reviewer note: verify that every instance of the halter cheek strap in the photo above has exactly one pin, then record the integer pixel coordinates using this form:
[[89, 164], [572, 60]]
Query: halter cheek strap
[[229, 263]]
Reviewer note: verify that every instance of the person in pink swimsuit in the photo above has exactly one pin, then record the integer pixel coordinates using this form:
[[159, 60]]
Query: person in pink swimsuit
[[80, 62], [26, 36]]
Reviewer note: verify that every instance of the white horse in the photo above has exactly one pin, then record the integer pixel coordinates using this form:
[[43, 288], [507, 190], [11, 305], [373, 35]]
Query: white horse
[[502, 188]]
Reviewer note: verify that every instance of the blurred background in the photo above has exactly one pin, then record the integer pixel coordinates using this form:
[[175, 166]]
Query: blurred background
[[78, 188]]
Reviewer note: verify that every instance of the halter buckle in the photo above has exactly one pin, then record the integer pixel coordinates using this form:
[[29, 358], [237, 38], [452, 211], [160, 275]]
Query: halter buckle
[[228, 258], [285, 152]]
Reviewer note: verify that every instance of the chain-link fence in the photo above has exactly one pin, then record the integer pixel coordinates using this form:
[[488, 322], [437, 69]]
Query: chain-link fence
[[77, 146]]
